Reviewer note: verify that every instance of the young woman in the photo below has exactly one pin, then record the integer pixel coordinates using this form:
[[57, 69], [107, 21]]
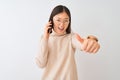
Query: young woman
[[58, 45]]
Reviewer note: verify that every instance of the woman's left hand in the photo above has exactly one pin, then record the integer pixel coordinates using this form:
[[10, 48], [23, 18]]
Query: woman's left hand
[[89, 45]]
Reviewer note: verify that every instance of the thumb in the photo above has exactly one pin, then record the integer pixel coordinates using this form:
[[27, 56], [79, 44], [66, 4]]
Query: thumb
[[79, 38]]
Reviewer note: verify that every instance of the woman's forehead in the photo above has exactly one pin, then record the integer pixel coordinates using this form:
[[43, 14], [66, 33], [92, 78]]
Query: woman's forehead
[[62, 15]]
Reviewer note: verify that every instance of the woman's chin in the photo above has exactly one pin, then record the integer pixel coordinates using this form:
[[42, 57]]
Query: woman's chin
[[61, 32]]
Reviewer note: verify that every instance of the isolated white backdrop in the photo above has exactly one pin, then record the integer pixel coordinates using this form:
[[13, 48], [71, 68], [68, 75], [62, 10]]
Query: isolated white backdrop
[[22, 22]]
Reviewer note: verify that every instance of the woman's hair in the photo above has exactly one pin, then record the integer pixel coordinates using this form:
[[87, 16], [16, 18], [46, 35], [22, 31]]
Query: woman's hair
[[59, 9]]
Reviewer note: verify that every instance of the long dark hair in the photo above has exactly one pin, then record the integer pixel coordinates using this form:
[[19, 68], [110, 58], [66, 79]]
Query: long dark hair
[[59, 9]]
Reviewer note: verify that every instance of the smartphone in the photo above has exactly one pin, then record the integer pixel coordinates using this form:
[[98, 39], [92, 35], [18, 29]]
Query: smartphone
[[50, 29]]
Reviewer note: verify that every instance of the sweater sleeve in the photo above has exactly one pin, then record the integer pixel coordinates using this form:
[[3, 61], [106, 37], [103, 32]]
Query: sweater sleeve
[[75, 43], [41, 57]]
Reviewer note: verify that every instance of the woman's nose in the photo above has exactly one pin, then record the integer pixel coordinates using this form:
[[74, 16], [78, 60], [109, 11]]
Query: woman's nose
[[61, 23]]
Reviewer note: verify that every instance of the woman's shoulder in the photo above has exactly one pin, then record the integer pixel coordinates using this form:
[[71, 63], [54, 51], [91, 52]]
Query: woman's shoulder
[[71, 35]]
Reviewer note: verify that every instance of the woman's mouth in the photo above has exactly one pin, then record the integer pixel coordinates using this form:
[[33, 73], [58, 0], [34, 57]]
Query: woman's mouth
[[61, 29]]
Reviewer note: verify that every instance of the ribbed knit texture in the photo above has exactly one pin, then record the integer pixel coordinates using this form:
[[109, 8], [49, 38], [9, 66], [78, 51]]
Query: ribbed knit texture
[[57, 57]]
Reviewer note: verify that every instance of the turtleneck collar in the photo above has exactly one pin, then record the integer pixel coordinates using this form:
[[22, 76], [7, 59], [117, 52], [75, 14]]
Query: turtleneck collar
[[56, 34]]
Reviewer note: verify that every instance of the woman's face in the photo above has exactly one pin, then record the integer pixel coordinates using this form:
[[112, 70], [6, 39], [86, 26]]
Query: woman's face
[[61, 22]]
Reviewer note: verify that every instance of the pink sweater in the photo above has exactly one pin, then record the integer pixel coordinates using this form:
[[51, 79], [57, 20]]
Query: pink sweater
[[56, 56]]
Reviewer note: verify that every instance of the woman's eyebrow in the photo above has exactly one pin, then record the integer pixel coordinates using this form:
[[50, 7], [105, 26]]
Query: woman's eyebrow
[[63, 18], [66, 18]]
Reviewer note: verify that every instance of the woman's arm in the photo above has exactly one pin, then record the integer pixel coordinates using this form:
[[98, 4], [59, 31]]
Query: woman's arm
[[90, 44], [42, 56]]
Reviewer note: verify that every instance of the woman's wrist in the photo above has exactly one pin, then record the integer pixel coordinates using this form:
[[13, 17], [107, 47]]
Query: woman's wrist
[[92, 37]]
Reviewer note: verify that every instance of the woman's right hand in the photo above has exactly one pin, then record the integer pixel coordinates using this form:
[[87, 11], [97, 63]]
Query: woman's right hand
[[46, 33]]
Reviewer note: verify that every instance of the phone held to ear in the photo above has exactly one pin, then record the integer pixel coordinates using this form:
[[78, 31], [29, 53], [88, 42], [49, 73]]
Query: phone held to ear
[[50, 29]]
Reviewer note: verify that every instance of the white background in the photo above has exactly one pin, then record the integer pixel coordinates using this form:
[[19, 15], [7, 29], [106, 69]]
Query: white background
[[22, 22]]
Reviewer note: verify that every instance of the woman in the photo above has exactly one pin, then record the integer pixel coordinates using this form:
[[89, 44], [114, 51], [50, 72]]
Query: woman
[[58, 45]]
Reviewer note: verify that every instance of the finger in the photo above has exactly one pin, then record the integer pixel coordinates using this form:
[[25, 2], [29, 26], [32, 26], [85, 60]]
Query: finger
[[48, 24], [47, 27], [79, 38], [93, 48], [90, 45], [84, 45], [97, 48]]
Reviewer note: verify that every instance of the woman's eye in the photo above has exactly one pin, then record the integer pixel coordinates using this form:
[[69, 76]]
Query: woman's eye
[[66, 21], [58, 20]]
